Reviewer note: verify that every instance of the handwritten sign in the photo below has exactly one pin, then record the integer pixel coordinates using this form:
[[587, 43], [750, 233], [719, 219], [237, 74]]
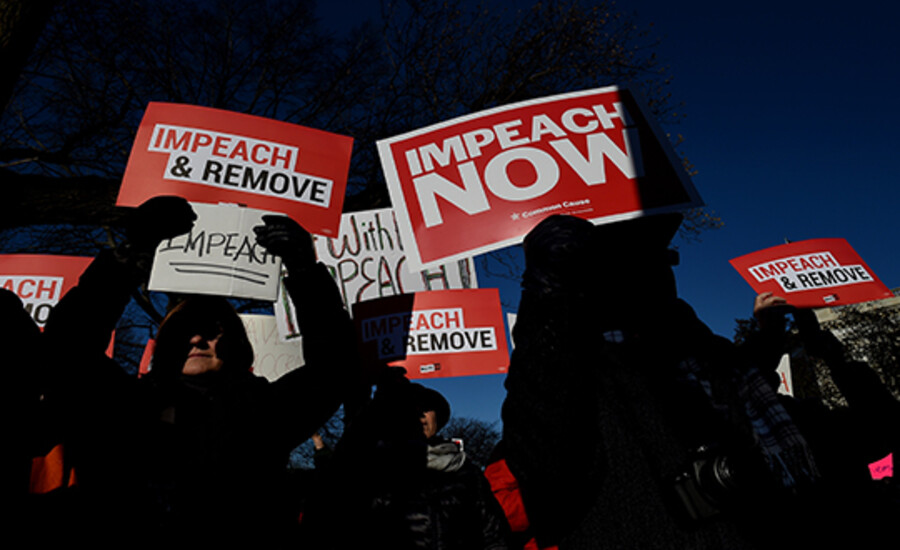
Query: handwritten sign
[[218, 256], [813, 273], [273, 358], [368, 260], [210, 155], [40, 280], [882, 468], [785, 384], [483, 181], [435, 334]]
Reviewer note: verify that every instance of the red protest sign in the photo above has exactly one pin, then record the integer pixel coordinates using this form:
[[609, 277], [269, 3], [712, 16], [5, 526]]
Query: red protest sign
[[435, 334], [210, 155], [40, 280], [813, 273], [482, 181]]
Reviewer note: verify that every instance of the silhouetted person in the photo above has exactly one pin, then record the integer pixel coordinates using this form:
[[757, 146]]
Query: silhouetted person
[[627, 422], [847, 438], [397, 484], [195, 451]]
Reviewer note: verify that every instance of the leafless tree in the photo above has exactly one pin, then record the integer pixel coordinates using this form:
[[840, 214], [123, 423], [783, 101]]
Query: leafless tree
[[479, 437], [872, 335], [66, 134]]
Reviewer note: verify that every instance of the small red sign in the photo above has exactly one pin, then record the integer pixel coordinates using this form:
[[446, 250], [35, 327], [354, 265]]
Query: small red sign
[[435, 334], [209, 155], [813, 273], [40, 280], [481, 182]]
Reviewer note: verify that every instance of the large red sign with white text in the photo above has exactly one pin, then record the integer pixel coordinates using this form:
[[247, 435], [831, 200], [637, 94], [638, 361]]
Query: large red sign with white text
[[435, 334], [813, 273], [40, 280], [210, 155], [482, 181]]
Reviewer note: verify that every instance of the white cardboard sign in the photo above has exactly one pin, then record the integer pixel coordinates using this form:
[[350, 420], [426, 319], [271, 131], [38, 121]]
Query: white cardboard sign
[[218, 256], [368, 260], [272, 358]]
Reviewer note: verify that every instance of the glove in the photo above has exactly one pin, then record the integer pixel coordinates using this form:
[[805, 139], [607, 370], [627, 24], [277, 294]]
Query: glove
[[157, 219], [286, 238]]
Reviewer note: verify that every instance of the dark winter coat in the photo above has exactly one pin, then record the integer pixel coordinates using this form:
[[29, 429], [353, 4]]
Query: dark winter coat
[[453, 508], [199, 456], [596, 434], [604, 411], [846, 438], [389, 487]]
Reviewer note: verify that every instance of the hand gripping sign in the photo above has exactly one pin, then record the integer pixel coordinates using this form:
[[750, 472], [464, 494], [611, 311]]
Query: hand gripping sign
[[210, 155], [367, 260], [482, 181], [813, 273], [435, 334], [219, 255], [40, 280]]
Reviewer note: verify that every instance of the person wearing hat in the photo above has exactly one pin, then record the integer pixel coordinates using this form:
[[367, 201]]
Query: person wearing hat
[[435, 410], [400, 484], [627, 422]]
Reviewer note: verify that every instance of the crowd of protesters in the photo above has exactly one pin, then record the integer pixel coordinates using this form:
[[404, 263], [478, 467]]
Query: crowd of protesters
[[627, 422]]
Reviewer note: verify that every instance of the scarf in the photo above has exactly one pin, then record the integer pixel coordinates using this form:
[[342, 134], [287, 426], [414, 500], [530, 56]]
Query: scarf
[[445, 456], [736, 390]]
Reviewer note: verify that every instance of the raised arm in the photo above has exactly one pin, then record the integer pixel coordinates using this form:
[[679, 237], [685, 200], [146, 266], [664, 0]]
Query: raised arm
[[308, 396], [83, 321]]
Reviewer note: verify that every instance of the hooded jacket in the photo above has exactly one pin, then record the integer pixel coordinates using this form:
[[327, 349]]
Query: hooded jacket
[[203, 456]]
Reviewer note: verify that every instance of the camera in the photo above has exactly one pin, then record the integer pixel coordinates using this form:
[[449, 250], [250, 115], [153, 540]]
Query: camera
[[709, 483]]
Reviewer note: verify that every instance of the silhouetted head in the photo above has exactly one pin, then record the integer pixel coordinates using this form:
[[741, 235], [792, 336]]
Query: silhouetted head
[[433, 407], [202, 334], [621, 263]]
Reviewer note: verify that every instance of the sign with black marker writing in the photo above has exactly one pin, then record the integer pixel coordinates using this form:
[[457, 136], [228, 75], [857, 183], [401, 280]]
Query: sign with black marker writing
[[812, 273], [218, 256], [272, 358], [368, 260]]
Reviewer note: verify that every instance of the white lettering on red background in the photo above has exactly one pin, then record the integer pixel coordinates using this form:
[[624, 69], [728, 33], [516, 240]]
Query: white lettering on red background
[[239, 162], [810, 271], [514, 137], [39, 293], [426, 332]]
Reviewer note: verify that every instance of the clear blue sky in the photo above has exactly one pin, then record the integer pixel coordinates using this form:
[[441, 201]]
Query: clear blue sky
[[791, 120]]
